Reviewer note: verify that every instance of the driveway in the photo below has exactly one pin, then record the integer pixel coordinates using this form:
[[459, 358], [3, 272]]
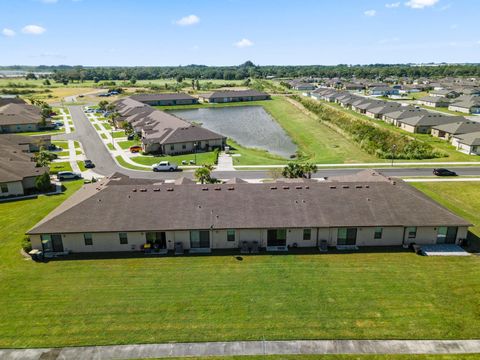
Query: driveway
[[96, 151]]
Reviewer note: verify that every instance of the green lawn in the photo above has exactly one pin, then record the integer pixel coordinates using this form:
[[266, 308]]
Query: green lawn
[[62, 153], [126, 144], [56, 167], [128, 165], [336, 357], [103, 136], [62, 144], [461, 197], [107, 126], [202, 158], [81, 165], [46, 132], [118, 134], [110, 147], [97, 127], [249, 156], [362, 295]]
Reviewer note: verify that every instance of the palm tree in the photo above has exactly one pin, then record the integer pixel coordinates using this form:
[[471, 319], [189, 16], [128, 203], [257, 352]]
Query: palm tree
[[309, 169], [204, 174], [292, 170]]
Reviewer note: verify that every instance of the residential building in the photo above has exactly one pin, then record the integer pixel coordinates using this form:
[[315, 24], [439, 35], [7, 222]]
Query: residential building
[[434, 101], [449, 94], [447, 131], [469, 105], [11, 100], [225, 96], [383, 91], [403, 113], [467, 143], [367, 209], [20, 118], [165, 99], [422, 124]]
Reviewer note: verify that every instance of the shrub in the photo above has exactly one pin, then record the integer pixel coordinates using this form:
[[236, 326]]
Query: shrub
[[42, 182], [26, 244]]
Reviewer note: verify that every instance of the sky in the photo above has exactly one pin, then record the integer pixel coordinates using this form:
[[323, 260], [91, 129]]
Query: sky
[[230, 32]]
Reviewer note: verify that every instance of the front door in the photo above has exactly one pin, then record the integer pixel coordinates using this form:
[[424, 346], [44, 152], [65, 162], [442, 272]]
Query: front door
[[347, 236], [57, 243], [276, 237], [447, 235], [157, 239], [199, 239]]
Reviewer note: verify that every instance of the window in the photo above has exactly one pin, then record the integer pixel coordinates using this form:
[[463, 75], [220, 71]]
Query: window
[[87, 237], [447, 235], [378, 233], [199, 239], [412, 232], [123, 238], [184, 146], [307, 234], [230, 235], [172, 147], [4, 188]]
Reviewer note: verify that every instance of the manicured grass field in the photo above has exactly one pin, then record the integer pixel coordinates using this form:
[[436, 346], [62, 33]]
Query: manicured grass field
[[46, 132], [110, 146], [337, 357], [103, 136], [62, 144], [81, 165], [97, 127], [374, 295], [56, 167], [128, 165], [249, 156], [126, 144], [118, 134], [202, 158]]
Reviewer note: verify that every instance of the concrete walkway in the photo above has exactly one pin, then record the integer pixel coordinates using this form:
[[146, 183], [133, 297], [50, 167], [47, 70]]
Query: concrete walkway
[[237, 348], [225, 162]]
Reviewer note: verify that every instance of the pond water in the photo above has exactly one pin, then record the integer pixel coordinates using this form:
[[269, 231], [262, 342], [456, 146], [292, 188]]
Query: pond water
[[249, 126]]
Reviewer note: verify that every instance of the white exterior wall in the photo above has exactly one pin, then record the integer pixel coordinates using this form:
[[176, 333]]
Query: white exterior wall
[[407, 127], [14, 188], [460, 109], [19, 128], [110, 242]]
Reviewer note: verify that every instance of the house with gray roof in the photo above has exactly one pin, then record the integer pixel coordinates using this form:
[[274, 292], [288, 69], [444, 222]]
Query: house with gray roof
[[422, 123], [15, 117], [434, 101], [225, 96], [165, 99], [468, 105], [447, 131], [467, 143], [402, 113], [382, 108], [270, 216], [449, 94]]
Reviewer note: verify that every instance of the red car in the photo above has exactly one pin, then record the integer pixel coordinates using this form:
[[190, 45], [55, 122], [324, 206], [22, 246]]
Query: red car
[[135, 149]]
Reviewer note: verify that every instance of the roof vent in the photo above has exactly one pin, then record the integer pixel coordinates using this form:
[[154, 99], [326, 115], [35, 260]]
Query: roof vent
[[286, 187], [333, 187], [367, 186], [231, 188], [358, 186], [298, 187], [143, 190], [307, 187], [169, 189], [218, 188], [345, 187], [273, 188], [134, 190], [156, 189], [204, 189]]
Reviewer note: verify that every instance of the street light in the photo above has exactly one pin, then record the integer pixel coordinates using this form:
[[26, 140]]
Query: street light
[[195, 151], [394, 147]]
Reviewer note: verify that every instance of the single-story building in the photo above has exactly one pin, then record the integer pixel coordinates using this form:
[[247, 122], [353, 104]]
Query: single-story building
[[11, 100], [402, 113], [449, 94], [225, 96], [381, 109], [20, 118], [467, 143], [447, 131], [273, 216], [468, 106], [434, 101], [17, 177], [423, 123], [165, 99], [383, 91]]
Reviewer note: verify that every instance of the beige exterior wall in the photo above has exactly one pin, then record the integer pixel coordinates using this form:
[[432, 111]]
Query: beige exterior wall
[[189, 146], [19, 128], [407, 127], [14, 188], [459, 109], [110, 242], [467, 149]]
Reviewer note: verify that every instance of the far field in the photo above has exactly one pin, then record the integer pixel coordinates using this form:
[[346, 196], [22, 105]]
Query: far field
[[337, 357], [374, 294]]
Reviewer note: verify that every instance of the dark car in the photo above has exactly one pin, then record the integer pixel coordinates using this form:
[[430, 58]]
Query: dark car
[[89, 164], [130, 136], [444, 172]]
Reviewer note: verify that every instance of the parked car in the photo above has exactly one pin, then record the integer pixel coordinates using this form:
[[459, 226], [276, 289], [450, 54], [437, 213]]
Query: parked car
[[89, 164], [81, 96], [58, 123], [130, 136], [164, 166], [68, 175], [444, 172], [104, 95], [135, 149]]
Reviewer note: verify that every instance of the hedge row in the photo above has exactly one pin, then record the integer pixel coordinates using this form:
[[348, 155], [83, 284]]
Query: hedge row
[[371, 138]]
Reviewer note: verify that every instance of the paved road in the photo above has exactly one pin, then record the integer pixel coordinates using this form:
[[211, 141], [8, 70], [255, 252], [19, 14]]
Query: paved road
[[105, 165], [239, 348]]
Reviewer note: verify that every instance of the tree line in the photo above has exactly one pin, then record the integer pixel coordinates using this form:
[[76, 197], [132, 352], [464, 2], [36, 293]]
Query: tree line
[[63, 73]]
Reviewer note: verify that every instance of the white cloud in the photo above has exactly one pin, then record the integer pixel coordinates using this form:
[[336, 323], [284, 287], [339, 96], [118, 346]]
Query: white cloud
[[420, 4], [392, 5], [370, 12], [188, 20], [33, 30], [243, 43], [8, 32]]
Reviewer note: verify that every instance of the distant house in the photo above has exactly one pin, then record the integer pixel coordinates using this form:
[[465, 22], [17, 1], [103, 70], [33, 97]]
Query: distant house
[[402, 113], [11, 100], [226, 96], [468, 106], [449, 94], [18, 171], [165, 99], [354, 87], [467, 143], [434, 101], [447, 131], [383, 91], [20, 118], [28, 144], [381, 109], [423, 123], [471, 91], [165, 133]]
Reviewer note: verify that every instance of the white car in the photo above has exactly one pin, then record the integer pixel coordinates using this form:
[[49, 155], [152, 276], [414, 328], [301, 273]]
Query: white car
[[164, 166], [68, 175]]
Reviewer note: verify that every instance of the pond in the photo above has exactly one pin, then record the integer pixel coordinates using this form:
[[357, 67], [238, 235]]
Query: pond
[[249, 126]]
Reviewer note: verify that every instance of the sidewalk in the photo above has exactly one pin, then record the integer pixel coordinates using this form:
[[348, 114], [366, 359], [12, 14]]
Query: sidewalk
[[386, 164], [238, 348]]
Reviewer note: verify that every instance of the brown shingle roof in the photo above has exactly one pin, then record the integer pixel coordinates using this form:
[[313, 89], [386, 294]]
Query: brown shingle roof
[[160, 97]]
